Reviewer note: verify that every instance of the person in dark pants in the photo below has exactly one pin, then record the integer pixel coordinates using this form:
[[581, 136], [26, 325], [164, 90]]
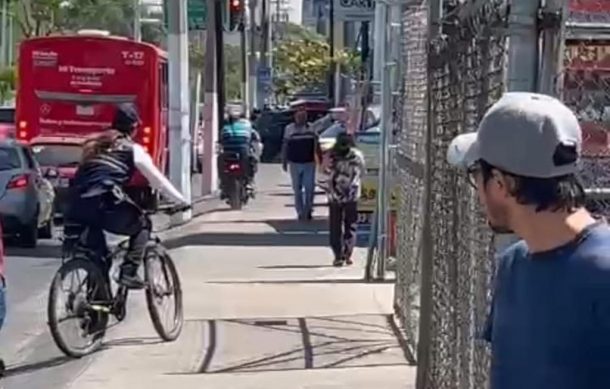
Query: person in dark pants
[[344, 188], [98, 202]]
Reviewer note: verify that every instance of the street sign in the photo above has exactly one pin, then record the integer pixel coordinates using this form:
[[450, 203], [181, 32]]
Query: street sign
[[197, 14], [354, 10], [264, 75]]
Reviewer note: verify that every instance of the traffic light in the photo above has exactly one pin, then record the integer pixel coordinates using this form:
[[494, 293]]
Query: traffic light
[[236, 13]]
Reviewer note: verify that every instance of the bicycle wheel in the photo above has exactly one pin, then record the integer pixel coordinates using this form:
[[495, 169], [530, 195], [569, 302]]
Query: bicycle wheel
[[163, 294], [81, 331]]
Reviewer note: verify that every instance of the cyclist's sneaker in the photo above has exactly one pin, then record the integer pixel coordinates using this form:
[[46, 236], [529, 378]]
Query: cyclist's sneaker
[[2, 368], [129, 276]]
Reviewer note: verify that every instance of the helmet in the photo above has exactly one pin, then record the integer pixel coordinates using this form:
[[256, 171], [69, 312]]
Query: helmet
[[126, 118], [231, 118]]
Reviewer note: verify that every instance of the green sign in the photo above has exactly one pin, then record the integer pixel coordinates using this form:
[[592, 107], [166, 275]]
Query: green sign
[[197, 14]]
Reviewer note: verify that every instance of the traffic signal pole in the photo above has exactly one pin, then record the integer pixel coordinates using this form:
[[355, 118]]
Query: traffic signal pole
[[179, 131], [220, 58], [210, 108], [243, 31], [252, 61]]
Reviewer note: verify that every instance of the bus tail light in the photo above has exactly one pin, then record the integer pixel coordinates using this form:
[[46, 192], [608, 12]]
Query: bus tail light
[[147, 140], [23, 130]]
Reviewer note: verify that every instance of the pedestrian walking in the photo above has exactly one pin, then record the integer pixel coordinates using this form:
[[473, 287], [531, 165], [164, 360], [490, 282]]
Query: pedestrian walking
[[299, 152], [344, 189], [549, 322]]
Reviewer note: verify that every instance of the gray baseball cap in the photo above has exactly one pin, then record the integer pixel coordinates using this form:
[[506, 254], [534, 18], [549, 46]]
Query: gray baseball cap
[[526, 134]]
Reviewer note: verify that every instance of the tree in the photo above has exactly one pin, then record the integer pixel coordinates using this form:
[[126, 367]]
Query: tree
[[8, 79], [300, 64], [44, 17], [232, 59], [37, 17], [302, 61]]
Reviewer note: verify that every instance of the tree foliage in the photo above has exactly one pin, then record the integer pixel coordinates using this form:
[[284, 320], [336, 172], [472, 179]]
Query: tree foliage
[[303, 60], [45, 17], [8, 79], [232, 58]]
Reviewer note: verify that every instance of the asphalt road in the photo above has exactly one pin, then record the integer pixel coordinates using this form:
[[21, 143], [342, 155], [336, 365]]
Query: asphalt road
[[25, 342], [32, 359]]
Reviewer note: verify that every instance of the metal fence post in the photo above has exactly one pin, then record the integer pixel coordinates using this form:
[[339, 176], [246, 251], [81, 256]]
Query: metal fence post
[[523, 64], [523, 46], [382, 214], [554, 16], [427, 261]]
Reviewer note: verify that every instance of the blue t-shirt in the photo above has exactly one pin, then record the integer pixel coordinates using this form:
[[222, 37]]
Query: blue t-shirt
[[549, 325], [236, 136]]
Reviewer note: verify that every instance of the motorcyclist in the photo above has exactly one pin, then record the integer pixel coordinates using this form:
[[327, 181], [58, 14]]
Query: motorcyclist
[[238, 136], [97, 199]]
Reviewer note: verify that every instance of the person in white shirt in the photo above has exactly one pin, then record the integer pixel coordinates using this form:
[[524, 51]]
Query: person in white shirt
[[97, 200]]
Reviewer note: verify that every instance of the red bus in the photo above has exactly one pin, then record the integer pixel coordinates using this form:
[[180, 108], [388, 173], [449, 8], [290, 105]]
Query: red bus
[[70, 85]]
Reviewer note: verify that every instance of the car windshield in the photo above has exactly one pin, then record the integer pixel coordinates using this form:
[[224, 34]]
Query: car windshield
[[57, 155], [9, 158], [7, 115], [333, 131]]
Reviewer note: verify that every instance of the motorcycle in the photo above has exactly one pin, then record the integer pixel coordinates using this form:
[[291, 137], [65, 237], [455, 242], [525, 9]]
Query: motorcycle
[[235, 186]]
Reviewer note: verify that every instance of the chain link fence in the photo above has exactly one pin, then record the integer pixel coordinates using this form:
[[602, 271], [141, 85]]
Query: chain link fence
[[585, 84], [462, 73], [409, 161], [444, 268]]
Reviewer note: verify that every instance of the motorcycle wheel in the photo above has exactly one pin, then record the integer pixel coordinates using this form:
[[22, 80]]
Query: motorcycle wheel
[[235, 196]]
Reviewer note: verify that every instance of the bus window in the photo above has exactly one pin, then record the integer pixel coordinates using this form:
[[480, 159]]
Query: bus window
[[163, 85]]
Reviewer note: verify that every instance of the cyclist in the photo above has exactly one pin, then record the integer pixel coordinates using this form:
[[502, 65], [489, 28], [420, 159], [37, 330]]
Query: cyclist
[[238, 136], [97, 197]]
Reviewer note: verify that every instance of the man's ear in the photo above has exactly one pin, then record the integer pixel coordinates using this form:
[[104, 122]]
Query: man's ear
[[505, 182]]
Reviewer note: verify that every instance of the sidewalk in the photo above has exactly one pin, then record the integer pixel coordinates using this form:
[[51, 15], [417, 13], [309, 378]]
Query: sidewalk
[[263, 309]]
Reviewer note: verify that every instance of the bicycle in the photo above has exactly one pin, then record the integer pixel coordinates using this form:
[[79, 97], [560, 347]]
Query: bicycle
[[93, 307]]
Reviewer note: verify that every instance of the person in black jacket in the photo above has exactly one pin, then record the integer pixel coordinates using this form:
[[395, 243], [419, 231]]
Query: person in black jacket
[[98, 201]]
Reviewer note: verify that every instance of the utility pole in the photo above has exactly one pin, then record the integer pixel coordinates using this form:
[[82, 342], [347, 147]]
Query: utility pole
[[11, 38], [137, 20], [252, 63], [179, 131], [331, 44], [265, 51], [3, 38], [245, 95], [553, 43], [210, 110], [220, 59]]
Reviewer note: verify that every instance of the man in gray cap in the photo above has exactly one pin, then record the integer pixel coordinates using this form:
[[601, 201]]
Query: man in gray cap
[[549, 325]]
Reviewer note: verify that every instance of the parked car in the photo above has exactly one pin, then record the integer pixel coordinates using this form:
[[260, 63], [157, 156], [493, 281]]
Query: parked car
[[270, 125], [26, 197], [7, 122], [59, 158]]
